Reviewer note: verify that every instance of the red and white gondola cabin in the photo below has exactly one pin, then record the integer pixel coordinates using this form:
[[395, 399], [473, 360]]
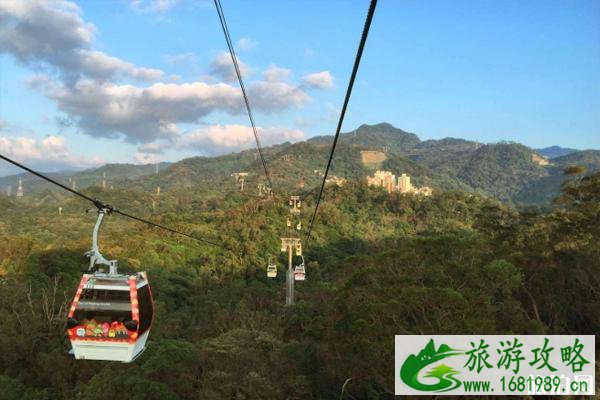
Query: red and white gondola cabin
[[110, 317]]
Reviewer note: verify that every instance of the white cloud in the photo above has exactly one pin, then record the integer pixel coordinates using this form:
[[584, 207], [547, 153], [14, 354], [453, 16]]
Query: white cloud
[[102, 66], [145, 114], [40, 28], [50, 153], [213, 140], [140, 114], [152, 153], [220, 139], [222, 67], [276, 96], [276, 74], [53, 35], [152, 6], [246, 44], [146, 158], [319, 80]]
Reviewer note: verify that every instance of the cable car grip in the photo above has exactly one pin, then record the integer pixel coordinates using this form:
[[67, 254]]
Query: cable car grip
[[96, 258]]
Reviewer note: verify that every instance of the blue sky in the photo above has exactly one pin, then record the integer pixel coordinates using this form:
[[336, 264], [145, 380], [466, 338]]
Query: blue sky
[[481, 70]]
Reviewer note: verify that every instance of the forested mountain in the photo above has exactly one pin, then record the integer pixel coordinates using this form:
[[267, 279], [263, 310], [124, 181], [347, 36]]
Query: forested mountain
[[379, 264], [555, 151], [507, 171], [375, 137], [117, 174], [543, 190]]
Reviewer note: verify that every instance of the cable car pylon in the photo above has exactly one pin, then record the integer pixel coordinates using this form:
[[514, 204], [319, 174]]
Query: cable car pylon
[[290, 245], [293, 246]]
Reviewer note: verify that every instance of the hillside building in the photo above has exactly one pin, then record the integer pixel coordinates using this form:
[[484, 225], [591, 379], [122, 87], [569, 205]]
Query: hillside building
[[402, 184], [384, 179]]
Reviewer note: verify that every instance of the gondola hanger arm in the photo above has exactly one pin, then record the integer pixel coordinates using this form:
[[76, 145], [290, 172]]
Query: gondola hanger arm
[[96, 258]]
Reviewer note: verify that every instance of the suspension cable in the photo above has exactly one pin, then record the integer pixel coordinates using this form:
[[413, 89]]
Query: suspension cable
[[225, 28], [101, 205], [359, 53]]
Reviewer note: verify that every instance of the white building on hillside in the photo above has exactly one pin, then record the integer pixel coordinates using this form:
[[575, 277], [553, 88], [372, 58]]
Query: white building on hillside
[[387, 180]]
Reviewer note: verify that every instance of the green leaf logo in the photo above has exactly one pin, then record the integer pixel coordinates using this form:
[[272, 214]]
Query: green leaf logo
[[409, 372]]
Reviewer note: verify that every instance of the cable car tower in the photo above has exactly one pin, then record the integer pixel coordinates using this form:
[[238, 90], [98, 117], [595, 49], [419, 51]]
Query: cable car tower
[[20, 188], [240, 179], [293, 246], [157, 184], [295, 203]]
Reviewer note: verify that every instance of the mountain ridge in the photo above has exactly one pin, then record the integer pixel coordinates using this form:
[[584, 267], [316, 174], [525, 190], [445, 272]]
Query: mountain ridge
[[508, 171], [555, 151]]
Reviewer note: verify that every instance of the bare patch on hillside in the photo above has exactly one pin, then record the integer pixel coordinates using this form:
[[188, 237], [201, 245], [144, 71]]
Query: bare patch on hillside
[[540, 160], [371, 158]]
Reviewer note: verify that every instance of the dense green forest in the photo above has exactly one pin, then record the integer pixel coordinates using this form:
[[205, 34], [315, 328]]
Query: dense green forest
[[379, 264]]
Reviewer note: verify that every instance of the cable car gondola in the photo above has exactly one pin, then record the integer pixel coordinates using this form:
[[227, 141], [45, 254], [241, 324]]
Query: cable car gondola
[[112, 313], [271, 270], [300, 271]]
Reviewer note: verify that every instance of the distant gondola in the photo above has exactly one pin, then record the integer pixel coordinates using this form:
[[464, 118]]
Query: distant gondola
[[300, 271], [271, 269]]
